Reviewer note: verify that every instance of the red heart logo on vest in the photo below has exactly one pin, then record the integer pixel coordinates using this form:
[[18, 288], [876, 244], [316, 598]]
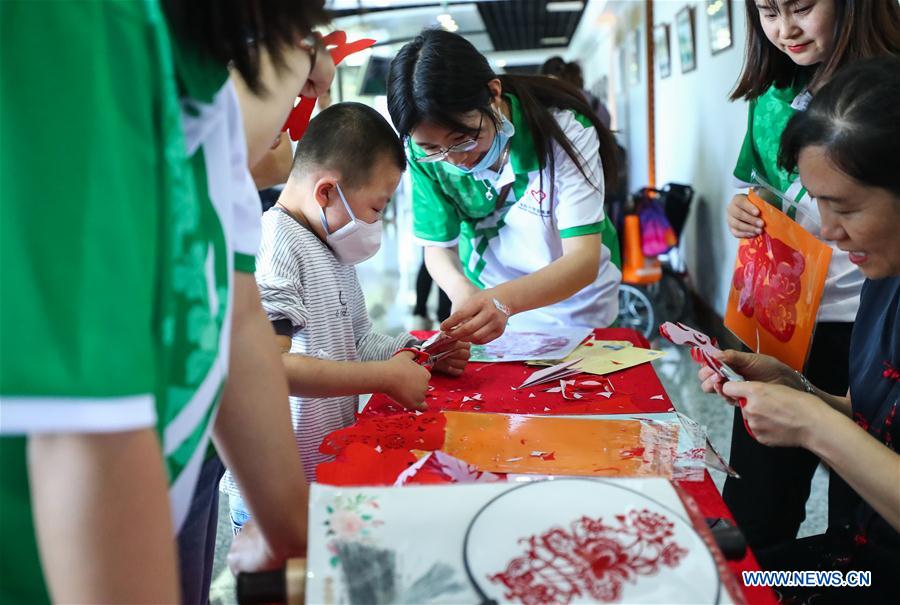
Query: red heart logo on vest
[[538, 195]]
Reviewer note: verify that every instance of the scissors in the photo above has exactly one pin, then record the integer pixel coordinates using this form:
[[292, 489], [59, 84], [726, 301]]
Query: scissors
[[423, 357], [702, 351]]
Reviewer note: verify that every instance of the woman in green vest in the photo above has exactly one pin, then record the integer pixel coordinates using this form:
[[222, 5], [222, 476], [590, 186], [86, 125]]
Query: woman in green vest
[[508, 176]]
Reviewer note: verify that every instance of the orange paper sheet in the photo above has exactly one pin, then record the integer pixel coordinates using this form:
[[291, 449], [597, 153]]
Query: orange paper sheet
[[777, 287], [511, 443]]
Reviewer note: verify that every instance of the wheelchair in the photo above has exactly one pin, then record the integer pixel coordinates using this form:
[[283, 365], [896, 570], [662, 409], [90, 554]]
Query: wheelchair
[[653, 289]]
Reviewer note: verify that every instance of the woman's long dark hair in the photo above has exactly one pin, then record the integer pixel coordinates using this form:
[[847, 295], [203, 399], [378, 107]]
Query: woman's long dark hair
[[856, 119], [234, 32], [862, 29], [440, 76]]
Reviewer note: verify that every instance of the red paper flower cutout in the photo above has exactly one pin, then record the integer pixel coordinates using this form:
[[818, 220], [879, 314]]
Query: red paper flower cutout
[[768, 280], [590, 559]]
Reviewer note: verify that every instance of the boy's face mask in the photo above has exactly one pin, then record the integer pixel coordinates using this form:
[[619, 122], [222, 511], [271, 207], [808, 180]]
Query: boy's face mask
[[354, 242]]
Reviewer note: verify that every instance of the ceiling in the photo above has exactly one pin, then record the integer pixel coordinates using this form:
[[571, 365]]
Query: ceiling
[[510, 32], [526, 24]]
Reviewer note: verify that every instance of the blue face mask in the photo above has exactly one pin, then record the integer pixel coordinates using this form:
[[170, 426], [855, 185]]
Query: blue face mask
[[504, 133]]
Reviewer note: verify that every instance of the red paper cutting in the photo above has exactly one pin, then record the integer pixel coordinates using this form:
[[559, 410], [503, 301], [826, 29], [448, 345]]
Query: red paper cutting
[[777, 286], [343, 49], [298, 119], [360, 464], [590, 559], [408, 431], [768, 280]]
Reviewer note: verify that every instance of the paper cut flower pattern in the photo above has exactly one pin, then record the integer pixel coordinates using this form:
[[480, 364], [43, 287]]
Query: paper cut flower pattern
[[768, 280], [590, 559]]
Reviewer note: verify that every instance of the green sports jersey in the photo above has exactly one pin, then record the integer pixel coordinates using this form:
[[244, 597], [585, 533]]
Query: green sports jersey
[[118, 244]]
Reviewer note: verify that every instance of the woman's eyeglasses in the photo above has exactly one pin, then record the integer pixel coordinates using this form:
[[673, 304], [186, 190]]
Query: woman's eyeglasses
[[443, 152]]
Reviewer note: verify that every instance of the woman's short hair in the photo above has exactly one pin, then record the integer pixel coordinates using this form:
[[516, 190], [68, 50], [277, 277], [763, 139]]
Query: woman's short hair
[[856, 119], [862, 29]]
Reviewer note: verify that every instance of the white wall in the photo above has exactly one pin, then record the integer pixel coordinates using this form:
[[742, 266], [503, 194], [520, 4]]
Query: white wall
[[698, 131], [698, 135], [630, 98]]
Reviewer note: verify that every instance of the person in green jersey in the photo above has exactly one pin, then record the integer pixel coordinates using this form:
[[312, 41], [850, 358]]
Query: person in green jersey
[[125, 308], [794, 48], [508, 175]]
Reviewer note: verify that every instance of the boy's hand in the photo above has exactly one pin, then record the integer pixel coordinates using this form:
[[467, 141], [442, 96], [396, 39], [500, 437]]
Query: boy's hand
[[405, 381], [743, 218], [454, 363]]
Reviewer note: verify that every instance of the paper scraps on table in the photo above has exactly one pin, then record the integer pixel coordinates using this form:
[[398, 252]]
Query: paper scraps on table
[[529, 346], [500, 443], [551, 374], [579, 388], [403, 431], [504, 443], [361, 464], [607, 356]]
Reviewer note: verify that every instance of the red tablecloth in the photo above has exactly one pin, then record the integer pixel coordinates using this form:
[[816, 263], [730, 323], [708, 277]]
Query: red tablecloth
[[637, 390]]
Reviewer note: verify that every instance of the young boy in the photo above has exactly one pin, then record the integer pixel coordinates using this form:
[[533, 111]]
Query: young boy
[[328, 218]]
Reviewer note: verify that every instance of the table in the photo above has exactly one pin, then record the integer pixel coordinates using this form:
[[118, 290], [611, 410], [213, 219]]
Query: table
[[639, 390]]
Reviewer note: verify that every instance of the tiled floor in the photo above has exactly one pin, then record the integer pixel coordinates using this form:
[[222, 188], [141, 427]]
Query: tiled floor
[[388, 282]]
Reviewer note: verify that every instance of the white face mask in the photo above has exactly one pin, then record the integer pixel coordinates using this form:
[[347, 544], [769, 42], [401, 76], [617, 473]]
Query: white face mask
[[354, 242]]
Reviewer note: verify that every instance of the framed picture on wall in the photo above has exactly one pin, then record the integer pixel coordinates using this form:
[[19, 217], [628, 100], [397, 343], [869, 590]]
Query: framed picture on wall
[[718, 14], [661, 55], [684, 29], [634, 57]]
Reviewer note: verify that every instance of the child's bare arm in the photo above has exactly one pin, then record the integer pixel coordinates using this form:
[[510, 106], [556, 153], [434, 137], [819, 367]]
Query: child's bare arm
[[398, 377]]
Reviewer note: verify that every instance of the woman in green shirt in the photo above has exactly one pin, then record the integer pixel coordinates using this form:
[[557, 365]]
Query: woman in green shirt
[[508, 180]]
